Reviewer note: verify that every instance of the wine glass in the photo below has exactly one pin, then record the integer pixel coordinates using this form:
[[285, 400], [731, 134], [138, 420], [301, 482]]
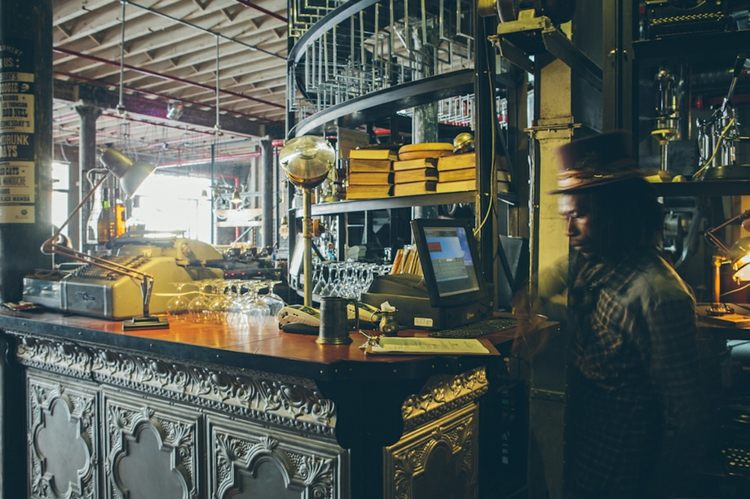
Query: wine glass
[[178, 304], [275, 302], [253, 309], [199, 304]]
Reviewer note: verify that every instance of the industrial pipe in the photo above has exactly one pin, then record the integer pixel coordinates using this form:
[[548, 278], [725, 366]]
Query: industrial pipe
[[165, 77]]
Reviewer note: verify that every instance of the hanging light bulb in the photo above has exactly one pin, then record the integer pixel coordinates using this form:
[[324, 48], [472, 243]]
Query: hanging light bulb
[[284, 228], [236, 200]]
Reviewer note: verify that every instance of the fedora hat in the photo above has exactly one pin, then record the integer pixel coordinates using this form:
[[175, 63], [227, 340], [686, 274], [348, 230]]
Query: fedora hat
[[595, 161]]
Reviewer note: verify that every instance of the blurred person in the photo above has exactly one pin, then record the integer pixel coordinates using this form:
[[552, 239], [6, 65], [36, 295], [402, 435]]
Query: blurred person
[[636, 402]]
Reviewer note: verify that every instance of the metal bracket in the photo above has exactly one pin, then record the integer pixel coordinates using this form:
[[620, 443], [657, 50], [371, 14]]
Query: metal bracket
[[536, 35], [551, 128]]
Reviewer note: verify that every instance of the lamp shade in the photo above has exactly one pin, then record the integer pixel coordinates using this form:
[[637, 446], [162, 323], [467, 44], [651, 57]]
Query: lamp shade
[[739, 255], [130, 173], [306, 160]]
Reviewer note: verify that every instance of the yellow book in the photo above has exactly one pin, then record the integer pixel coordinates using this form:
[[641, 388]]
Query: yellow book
[[369, 178], [368, 191], [373, 154], [457, 186], [462, 174], [408, 189], [457, 161], [406, 176], [369, 165], [398, 261], [414, 164]]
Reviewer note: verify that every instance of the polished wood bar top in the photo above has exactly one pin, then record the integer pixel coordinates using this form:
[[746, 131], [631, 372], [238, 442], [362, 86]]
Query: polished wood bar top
[[265, 348]]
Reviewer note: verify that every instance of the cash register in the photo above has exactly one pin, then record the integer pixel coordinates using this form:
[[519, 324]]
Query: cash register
[[451, 292]]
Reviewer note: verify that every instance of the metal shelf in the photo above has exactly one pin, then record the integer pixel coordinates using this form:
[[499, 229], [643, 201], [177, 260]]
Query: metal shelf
[[386, 102], [703, 188], [719, 48], [401, 202]]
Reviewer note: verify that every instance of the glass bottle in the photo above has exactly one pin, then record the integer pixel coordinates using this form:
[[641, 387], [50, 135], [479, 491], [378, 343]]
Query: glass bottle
[[119, 218], [104, 229]]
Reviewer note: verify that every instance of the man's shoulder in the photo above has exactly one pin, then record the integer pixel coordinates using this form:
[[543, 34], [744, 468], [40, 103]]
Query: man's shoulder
[[655, 281]]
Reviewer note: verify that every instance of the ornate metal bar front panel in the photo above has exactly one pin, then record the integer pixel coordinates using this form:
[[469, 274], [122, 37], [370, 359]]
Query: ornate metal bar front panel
[[438, 459], [169, 429], [247, 460], [212, 432], [62, 436], [283, 401], [150, 448]]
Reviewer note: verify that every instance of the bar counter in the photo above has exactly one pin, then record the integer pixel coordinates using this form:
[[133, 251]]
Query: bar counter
[[202, 410]]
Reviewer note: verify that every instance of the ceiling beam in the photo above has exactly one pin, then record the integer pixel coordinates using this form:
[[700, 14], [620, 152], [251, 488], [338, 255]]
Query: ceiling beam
[[157, 108]]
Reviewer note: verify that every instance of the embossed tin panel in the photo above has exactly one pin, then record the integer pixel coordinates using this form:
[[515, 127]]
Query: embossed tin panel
[[151, 448], [438, 459], [62, 418], [274, 399], [248, 461]]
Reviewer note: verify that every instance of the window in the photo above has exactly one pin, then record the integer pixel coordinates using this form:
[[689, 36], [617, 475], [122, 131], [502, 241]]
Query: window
[[60, 188], [170, 203]]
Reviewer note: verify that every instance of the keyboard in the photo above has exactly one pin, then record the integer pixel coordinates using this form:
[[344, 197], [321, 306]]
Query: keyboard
[[476, 329]]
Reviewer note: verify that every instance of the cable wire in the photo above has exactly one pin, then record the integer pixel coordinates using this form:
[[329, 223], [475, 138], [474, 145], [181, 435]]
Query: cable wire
[[716, 149]]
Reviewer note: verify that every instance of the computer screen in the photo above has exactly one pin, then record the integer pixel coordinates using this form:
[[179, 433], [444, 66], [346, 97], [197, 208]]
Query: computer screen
[[447, 251]]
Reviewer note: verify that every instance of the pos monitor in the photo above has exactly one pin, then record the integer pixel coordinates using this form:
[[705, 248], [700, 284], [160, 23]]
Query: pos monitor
[[448, 254]]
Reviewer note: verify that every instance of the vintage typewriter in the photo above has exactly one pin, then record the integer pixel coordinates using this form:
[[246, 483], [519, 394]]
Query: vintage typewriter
[[94, 291]]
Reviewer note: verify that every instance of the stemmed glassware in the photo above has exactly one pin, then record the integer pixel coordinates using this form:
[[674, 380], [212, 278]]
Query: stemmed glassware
[[346, 279], [275, 302], [237, 303], [178, 304]]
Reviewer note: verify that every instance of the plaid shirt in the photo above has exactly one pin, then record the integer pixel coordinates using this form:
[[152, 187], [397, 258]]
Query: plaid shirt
[[634, 394]]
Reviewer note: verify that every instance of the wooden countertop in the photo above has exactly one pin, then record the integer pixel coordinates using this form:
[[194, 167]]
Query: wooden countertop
[[264, 349]]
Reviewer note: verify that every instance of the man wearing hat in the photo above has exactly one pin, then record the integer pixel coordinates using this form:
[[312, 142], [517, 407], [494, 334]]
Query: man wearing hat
[[635, 400]]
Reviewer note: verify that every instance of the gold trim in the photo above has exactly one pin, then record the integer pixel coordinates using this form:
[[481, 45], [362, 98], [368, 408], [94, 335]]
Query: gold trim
[[442, 394]]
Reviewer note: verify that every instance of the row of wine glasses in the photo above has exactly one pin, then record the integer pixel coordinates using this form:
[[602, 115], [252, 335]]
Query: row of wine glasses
[[347, 279], [238, 303]]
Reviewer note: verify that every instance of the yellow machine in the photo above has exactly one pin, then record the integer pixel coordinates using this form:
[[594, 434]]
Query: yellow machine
[[94, 291]]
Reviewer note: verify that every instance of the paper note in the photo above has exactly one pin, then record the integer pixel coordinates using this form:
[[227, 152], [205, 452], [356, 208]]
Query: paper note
[[427, 346]]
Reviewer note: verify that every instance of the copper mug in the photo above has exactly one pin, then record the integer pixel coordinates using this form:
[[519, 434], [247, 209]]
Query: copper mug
[[334, 320]]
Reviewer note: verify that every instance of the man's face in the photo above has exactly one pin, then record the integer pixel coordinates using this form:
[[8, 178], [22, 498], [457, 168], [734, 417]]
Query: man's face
[[578, 226]]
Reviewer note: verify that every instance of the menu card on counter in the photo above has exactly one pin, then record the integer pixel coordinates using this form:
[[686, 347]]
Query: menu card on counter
[[425, 346]]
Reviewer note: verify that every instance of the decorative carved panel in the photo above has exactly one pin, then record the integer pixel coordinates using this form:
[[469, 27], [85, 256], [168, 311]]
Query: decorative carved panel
[[273, 399], [150, 448], [442, 394], [249, 461], [437, 460], [62, 434]]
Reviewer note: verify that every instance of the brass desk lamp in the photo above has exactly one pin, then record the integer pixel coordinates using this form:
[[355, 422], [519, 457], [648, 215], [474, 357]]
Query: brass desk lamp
[[738, 255], [131, 175], [306, 161]]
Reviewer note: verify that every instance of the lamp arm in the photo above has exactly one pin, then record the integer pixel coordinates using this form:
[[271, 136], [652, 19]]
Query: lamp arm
[[711, 233], [53, 239]]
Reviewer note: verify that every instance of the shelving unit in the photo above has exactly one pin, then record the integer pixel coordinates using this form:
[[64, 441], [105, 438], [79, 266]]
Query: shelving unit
[[705, 188], [361, 62], [401, 202]]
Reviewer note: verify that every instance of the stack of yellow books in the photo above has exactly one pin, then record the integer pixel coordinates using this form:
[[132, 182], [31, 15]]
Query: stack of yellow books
[[370, 173], [457, 173], [407, 261], [416, 171]]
